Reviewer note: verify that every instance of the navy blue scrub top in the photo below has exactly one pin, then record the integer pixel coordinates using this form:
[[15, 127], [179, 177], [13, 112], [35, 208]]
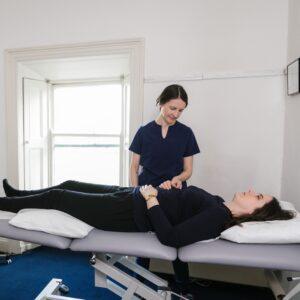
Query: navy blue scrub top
[[162, 158]]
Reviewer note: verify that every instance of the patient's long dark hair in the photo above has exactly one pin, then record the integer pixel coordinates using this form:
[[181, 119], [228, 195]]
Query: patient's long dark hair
[[269, 212]]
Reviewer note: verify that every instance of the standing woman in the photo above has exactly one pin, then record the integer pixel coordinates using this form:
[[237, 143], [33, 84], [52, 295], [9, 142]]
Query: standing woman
[[163, 149]]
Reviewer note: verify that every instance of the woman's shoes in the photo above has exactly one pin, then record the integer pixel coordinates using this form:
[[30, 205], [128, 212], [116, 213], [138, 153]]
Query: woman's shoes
[[182, 296], [181, 291]]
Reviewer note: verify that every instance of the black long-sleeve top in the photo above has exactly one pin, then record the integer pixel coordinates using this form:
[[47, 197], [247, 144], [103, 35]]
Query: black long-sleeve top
[[182, 217]]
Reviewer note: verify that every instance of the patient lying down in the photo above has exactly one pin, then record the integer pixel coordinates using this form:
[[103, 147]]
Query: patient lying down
[[178, 217]]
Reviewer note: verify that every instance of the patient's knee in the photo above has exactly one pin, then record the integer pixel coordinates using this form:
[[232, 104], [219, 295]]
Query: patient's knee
[[68, 184]]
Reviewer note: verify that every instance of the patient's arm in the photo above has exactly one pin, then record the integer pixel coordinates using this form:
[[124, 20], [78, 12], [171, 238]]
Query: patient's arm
[[205, 225]]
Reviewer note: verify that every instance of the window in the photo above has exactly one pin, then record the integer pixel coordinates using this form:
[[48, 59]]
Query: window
[[87, 136]]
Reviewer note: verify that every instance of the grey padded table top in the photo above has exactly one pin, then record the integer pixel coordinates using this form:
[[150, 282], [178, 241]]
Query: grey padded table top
[[267, 256], [128, 243], [38, 237]]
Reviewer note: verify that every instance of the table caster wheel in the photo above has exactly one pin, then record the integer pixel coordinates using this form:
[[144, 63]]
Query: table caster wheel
[[63, 289]]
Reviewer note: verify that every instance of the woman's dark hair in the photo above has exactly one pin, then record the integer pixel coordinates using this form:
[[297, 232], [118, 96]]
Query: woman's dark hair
[[269, 212], [173, 91]]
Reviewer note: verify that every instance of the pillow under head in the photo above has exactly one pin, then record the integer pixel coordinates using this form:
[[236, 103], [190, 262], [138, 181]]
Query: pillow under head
[[268, 232]]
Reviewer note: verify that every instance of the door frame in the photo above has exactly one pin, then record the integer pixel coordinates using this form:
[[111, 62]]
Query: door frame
[[14, 93]]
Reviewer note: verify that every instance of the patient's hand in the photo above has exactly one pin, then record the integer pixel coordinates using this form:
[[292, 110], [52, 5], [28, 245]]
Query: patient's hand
[[148, 191]]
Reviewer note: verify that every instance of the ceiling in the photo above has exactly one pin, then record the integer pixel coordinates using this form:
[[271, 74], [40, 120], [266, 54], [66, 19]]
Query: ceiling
[[105, 66]]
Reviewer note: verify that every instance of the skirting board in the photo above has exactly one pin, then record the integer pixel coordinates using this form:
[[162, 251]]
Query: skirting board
[[15, 247], [251, 276]]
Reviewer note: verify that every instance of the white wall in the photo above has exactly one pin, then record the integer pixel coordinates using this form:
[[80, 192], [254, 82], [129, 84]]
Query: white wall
[[291, 166], [239, 127], [232, 118]]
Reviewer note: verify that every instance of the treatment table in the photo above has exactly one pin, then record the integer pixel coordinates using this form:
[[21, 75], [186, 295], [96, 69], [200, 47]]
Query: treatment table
[[113, 249]]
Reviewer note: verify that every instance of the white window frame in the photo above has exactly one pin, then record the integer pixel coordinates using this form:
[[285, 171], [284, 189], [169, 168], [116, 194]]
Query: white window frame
[[123, 168], [13, 89]]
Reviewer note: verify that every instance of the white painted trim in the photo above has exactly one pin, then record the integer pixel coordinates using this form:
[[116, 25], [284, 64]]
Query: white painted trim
[[71, 50], [86, 82], [84, 135], [215, 75], [50, 136], [14, 246], [122, 137], [134, 48]]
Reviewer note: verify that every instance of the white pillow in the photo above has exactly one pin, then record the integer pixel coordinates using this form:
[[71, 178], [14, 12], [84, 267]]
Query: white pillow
[[268, 232], [288, 206], [51, 221]]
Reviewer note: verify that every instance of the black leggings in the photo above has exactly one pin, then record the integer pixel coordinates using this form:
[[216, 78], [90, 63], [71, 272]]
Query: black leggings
[[70, 185], [103, 207]]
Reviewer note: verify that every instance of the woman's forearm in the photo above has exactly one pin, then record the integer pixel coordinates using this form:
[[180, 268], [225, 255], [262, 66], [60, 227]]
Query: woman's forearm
[[187, 169], [134, 169], [133, 177], [185, 175]]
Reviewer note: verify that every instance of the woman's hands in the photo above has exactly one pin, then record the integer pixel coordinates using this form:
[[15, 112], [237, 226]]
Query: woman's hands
[[176, 182], [168, 184], [148, 192]]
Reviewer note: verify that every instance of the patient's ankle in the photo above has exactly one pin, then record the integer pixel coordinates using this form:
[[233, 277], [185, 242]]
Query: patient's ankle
[[8, 189]]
